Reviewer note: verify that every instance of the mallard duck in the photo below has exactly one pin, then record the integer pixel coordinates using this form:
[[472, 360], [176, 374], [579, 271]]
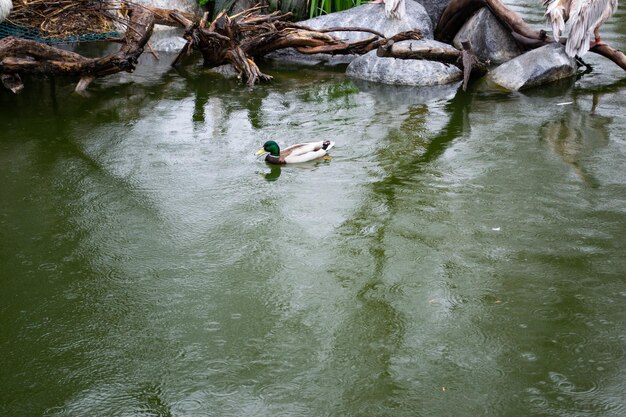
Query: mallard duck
[[302, 152], [5, 9], [584, 17]]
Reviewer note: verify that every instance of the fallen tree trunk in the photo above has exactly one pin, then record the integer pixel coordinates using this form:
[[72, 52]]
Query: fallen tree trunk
[[393, 50], [21, 56], [454, 17], [162, 16], [614, 55], [459, 11], [464, 59]]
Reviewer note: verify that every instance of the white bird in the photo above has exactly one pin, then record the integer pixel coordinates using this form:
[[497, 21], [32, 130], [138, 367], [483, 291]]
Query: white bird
[[584, 18], [5, 9], [394, 9]]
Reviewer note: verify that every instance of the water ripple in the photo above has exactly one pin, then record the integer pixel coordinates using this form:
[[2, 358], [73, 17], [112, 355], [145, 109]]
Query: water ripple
[[276, 391]]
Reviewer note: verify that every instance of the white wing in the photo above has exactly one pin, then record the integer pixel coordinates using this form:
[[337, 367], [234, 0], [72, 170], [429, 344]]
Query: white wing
[[557, 12], [305, 152], [585, 17], [5, 9]]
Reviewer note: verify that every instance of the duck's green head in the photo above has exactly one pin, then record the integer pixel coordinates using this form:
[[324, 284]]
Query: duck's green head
[[271, 147]]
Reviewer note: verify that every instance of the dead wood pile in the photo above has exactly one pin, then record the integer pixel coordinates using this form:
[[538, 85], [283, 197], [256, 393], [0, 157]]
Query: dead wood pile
[[65, 18], [238, 39], [235, 40], [22, 56]]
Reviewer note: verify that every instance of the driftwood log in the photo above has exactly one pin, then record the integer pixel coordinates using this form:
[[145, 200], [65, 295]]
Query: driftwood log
[[464, 59], [459, 11], [21, 56]]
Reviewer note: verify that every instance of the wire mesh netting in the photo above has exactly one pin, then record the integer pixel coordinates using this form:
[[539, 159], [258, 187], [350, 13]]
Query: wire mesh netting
[[63, 21], [9, 29]]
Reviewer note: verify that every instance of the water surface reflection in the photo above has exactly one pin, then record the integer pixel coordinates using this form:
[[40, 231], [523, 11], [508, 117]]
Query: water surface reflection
[[461, 254]]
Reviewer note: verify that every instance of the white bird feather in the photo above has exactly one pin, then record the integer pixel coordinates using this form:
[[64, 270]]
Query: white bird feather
[[583, 17], [5, 9]]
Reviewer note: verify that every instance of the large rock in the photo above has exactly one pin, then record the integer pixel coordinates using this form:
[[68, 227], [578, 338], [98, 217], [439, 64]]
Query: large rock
[[435, 9], [167, 40], [370, 16], [540, 66], [490, 41], [413, 72]]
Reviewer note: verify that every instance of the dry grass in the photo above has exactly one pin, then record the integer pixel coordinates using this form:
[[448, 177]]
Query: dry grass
[[63, 18]]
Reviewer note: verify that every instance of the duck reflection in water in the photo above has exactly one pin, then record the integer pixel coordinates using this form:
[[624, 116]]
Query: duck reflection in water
[[576, 134], [275, 171]]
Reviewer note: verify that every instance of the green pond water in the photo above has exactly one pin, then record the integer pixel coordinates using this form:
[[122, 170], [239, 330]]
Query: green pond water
[[460, 255]]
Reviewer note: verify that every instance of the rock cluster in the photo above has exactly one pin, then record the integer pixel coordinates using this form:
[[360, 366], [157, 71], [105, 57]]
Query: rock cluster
[[490, 42]]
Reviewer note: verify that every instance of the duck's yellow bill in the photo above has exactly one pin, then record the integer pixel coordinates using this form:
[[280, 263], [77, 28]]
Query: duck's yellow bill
[[260, 151]]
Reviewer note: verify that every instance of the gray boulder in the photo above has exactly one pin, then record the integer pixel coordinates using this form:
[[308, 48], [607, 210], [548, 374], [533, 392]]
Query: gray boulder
[[370, 16], [490, 41], [434, 8], [167, 40], [412, 72], [540, 66]]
